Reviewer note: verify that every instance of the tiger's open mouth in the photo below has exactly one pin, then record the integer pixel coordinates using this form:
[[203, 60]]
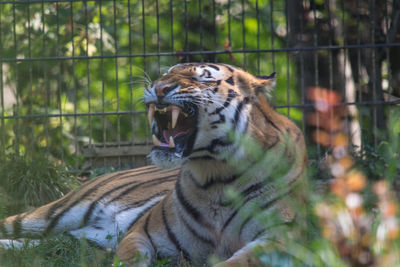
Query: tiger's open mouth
[[176, 128]]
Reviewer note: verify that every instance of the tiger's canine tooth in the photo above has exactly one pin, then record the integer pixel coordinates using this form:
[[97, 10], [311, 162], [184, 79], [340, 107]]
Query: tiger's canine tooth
[[175, 114], [150, 116], [156, 142], [171, 142]]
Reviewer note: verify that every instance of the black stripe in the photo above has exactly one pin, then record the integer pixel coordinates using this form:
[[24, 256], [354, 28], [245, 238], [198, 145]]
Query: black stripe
[[237, 114], [258, 234], [96, 179], [264, 230], [55, 220], [246, 192], [230, 81], [197, 235], [95, 202], [193, 212], [253, 188], [214, 181], [267, 118], [231, 95], [60, 203], [264, 207], [267, 77], [147, 183], [211, 148], [143, 212], [146, 230], [142, 202], [171, 234], [295, 178], [213, 66], [217, 142], [277, 141], [221, 119], [298, 136], [229, 68]]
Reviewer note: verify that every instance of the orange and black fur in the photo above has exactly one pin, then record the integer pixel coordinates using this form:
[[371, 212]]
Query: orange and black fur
[[202, 117]]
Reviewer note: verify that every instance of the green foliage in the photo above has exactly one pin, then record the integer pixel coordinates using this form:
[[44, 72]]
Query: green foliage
[[26, 183], [382, 161], [60, 251]]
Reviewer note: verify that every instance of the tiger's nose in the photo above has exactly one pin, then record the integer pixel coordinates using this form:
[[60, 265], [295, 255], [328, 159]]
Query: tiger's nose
[[163, 89]]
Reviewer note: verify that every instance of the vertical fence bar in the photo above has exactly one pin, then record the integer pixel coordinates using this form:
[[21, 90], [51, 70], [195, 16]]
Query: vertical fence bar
[[302, 86], [272, 30], [287, 58], [359, 91], [330, 57], [144, 35], [46, 84], [75, 86], [258, 37], [89, 106], [144, 55], [59, 78], [243, 34], [215, 29], [387, 50], [102, 78], [3, 138], [171, 14], [272, 43], [132, 108], [16, 106], [374, 70], [201, 30], [158, 36], [345, 93], [229, 27], [186, 31], [116, 80], [30, 97], [316, 73]]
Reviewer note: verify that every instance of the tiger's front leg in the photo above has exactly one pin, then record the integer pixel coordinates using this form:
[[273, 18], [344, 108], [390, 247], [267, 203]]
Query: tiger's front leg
[[149, 238], [136, 249]]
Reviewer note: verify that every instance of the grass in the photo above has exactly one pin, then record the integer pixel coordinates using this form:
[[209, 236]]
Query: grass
[[27, 183]]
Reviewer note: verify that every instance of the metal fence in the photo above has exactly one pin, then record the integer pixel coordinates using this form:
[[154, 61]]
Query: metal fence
[[72, 72]]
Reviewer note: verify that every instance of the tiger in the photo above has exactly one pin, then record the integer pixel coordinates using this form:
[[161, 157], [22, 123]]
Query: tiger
[[203, 118]]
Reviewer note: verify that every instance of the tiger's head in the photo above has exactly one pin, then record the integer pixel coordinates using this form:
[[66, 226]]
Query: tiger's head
[[195, 106]]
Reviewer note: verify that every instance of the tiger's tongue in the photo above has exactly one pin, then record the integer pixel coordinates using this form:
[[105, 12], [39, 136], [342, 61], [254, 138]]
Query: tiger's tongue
[[174, 133]]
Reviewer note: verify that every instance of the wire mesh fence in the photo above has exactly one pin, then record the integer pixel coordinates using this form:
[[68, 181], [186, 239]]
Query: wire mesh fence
[[72, 72]]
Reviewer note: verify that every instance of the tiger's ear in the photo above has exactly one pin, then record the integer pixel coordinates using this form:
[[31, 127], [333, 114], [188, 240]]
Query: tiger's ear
[[265, 84], [252, 86]]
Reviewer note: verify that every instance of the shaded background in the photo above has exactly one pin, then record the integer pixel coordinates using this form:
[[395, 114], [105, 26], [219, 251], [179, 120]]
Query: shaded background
[[72, 73]]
